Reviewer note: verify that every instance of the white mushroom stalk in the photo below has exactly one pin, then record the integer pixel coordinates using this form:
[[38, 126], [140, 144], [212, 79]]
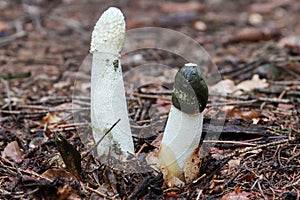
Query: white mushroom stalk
[[184, 126], [108, 101]]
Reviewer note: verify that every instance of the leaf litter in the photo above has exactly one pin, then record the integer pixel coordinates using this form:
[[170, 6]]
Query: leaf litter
[[257, 155]]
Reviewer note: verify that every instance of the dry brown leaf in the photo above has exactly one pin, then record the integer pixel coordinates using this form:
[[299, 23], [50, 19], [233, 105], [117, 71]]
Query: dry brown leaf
[[268, 7], [53, 174], [291, 42], [223, 86], [253, 34], [217, 153], [3, 26], [65, 191], [51, 118], [252, 84], [173, 7], [286, 106], [12, 151], [242, 114], [256, 151], [237, 194], [234, 163], [162, 106]]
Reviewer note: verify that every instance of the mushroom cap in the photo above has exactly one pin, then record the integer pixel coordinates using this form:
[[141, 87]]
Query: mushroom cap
[[109, 32], [190, 93]]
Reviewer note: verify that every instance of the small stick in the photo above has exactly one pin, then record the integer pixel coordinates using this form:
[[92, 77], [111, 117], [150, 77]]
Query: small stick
[[248, 149], [98, 192], [16, 75], [286, 82], [4, 41], [249, 102], [229, 142], [141, 149], [105, 134], [149, 96]]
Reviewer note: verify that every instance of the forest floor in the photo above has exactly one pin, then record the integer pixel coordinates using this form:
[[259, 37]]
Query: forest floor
[[254, 48]]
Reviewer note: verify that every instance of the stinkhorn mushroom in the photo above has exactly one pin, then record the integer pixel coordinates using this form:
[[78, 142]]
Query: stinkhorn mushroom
[[184, 126], [108, 101]]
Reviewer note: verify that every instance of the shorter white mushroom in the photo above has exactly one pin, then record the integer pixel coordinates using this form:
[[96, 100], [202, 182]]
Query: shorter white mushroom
[[184, 126], [108, 101]]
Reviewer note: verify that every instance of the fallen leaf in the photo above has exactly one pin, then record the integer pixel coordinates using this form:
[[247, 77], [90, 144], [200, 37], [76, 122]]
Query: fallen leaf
[[292, 43], [3, 26], [226, 86], [248, 177], [61, 84], [253, 34], [286, 106], [67, 192], [64, 191], [174, 7], [268, 71], [234, 163], [237, 194], [217, 153], [255, 120], [256, 151], [242, 114], [70, 156], [12, 151], [252, 84], [53, 174], [268, 7], [51, 118], [162, 106]]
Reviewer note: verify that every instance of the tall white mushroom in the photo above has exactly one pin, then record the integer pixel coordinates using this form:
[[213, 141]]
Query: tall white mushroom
[[108, 101], [184, 126]]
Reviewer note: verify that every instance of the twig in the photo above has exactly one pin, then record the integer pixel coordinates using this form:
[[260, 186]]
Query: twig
[[297, 182], [199, 194], [25, 171], [248, 149], [8, 92], [105, 134], [231, 96], [274, 100], [248, 102], [149, 96], [98, 192], [15, 75], [286, 82], [247, 67], [141, 149], [63, 127], [229, 142], [261, 191], [5, 40]]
